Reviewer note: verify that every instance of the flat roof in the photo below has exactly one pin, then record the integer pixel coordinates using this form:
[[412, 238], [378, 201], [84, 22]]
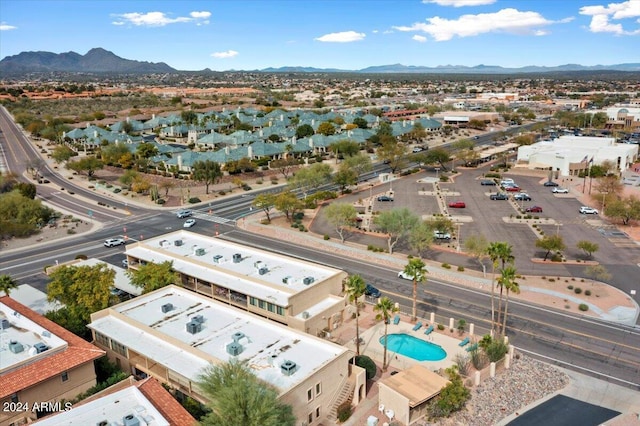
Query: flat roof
[[112, 409], [265, 345], [120, 281], [258, 273], [417, 384], [34, 299]]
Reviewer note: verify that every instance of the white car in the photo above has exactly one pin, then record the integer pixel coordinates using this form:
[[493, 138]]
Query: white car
[[588, 210], [404, 276], [113, 242], [184, 213], [559, 190], [189, 223], [439, 235]]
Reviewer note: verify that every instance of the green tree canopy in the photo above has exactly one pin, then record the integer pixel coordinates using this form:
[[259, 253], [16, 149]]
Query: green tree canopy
[[624, 209], [116, 153], [341, 216], [153, 276], [587, 247], [394, 153], [304, 131], [62, 153], [354, 288], [326, 128], [265, 202], [397, 223], [88, 165], [20, 216], [416, 270], [7, 283], [206, 171], [310, 178], [287, 203], [550, 243], [237, 397]]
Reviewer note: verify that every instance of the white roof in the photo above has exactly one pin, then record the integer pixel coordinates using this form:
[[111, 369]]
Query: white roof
[[243, 276], [19, 338], [121, 280], [264, 344], [34, 299], [112, 409]]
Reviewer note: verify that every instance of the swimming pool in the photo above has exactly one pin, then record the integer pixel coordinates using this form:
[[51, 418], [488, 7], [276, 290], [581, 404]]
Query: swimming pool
[[412, 347]]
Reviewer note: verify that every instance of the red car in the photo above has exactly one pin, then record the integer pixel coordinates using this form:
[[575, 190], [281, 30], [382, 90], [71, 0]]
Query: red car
[[457, 205], [512, 188], [534, 209]]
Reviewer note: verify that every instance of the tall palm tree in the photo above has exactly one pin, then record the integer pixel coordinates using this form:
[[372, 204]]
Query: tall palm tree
[[7, 283], [507, 281], [416, 270], [385, 308], [355, 288], [497, 251]]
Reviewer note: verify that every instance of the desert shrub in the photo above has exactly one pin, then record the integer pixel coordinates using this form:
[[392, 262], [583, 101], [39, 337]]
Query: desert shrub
[[446, 266], [495, 350], [344, 411], [570, 287], [326, 237], [587, 292], [578, 290], [583, 307], [160, 201], [194, 200], [462, 362], [552, 280], [460, 268], [440, 327]]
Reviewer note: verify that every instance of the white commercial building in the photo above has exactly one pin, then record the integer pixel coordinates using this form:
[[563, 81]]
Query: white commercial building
[[568, 155]]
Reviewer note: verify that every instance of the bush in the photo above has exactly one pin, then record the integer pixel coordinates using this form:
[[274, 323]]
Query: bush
[[496, 350], [71, 231], [446, 266], [460, 268], [326, 237], [587, 293], [440, 327], [117, 190], [160, 201], [570, 287], [368, 364], [583, 307], [578, 290], [194, 200], [81, 257], [344, 411]]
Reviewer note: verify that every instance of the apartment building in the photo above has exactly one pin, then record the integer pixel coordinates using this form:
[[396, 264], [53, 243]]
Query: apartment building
[[41, 364]]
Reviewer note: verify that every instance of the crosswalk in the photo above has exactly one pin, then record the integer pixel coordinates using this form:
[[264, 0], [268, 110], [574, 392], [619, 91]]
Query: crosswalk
[[216, 219]]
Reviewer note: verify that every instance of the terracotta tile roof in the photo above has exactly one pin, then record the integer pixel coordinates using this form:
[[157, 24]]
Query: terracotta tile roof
[[77, 353], [171, 409]]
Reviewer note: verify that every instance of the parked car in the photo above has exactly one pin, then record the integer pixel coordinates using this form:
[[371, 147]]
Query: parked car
[[499, 196], [488, 182], [439, 235], [588, 210], [559, 190], [370, 290], [184, 213], [43, 181], [512, 188], [189, 223], [550, 183], [385, 198], [125, 264], [522, 196], [534, 209], [457, 205], [113, 242], [404, 276]]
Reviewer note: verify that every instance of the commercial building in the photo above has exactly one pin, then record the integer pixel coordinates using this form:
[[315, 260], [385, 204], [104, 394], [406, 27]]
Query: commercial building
[[174, 334], [569, 155], [303, 295], [41, 364]]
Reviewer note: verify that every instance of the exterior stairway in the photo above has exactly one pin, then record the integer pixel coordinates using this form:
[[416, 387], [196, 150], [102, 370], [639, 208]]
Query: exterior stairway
[[345, 395]]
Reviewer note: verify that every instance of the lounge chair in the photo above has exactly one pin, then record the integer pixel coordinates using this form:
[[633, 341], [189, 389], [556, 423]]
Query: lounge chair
[[472, 347], [417, 326], [429, 330], [465, 341], [396, 320]]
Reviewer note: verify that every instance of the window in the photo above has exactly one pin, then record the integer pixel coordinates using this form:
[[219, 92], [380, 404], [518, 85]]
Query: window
[[102, 340], [280, 310], [119, 348], [261, 304], [14, 398], [318, 388], [317, 412], [310, 419], [271, 307], [253, 301], [309, 394], [65, 376]]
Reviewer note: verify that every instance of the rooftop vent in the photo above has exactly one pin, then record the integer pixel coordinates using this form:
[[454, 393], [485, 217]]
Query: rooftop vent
[[167, 307], [164, 243], [308, 280], [40, 347], [305, 315], [15, 347], [263, 270], [217, 258], [237, 258], [198, 318], [194, 327], [272, 359], [130, 420], [287, 280], [46, 333], [288, 368], [177, 243], [102, 423], [237, 336], [200, 252], [4, 324], [234, 348]]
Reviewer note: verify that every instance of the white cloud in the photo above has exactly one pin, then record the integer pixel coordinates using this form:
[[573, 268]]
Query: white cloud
[[343, 37], [419, 38], [224, 55], [508, 20], [160, 19], [6, 27], [460, 3], [601, 16]]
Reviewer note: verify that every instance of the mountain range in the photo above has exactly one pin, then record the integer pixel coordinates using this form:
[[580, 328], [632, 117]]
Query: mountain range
[[99, 60]]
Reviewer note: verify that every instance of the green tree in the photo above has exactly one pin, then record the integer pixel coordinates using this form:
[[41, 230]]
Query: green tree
[[287, 203], [88, 165], [82, 289], [284, 165], [421, 237], [265, 201], [27, 190], [207, 171], [20, 216], [341, 216], [360, 122], [237, 397], [326, 128], [507, 281], [550, 243], [189, 117], [34, 166], [438, 156], [397, 224], [625, 209], [587, 247], [394, 153], [346, 148], [597, 273], [304, 131], [116, 153], [153, 276], [128, 178], [453, 396], [62, 153], [464, 151], [345, 177], [416, 270], [146, 150], [354, 289], [476, 245], [7, 283], [310, 178], [359, 163], [385, 308], [502, 252]]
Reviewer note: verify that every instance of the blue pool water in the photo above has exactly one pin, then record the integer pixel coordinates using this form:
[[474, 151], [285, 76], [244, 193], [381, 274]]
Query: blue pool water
[[412, 347]]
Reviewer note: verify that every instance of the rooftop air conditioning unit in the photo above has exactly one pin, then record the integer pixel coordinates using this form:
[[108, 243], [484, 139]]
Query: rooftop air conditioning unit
[[287, 280], [193, 327], [288, 368], [217, 258], [4, 324], [305, 315], [200, 252], [15, 347], [130, 420], [263, 270], [237, 258], [40, 347], [308, 280], [177, 243], [198, 318], [166, 308], [234, 348], [237, 336]]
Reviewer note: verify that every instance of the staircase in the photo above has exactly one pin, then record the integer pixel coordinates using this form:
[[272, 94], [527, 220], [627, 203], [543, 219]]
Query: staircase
[[345, 394]]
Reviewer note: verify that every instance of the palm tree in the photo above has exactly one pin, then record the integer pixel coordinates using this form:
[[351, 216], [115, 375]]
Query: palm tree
[[497, 251], [355, 288], [7, 284], [416, 270], [507, 281], [385, 308]]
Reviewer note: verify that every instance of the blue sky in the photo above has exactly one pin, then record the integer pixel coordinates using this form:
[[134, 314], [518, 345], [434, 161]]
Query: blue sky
[[345, 34]]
